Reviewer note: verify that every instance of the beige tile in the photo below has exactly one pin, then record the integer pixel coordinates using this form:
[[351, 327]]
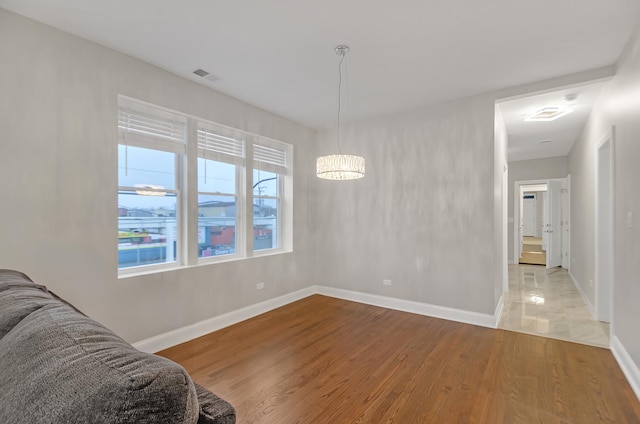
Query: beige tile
[[546, 303]]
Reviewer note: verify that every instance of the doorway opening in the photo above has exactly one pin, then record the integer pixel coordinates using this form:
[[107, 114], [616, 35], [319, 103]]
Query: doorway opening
[[533, 250], [541, 227]]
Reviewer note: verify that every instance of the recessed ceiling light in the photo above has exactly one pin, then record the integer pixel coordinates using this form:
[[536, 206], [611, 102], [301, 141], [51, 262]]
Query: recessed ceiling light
[[548, 113]]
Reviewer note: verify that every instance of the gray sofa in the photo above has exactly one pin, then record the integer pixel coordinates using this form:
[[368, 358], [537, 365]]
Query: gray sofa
[[59, 366]]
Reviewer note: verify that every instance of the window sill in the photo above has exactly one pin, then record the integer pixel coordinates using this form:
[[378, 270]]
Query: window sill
[[232, 258], [138, 272]]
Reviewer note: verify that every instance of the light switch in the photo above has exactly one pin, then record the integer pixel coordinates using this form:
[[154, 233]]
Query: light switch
[[629, 219]]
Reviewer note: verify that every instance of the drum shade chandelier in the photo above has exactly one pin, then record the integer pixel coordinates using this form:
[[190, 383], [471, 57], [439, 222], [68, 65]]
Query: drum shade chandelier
[[340, 166]]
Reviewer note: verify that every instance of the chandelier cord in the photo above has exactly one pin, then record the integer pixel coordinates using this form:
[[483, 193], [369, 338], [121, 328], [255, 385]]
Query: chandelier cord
[[342, 55]]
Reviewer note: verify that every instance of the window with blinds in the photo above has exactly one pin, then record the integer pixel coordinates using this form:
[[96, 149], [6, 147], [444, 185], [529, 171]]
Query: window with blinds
[[242, 201], [151, 145], [270, 168], [221, 156]]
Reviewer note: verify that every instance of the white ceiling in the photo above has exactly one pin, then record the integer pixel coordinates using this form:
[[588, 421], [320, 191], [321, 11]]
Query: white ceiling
[[525, 136], [406, 54]]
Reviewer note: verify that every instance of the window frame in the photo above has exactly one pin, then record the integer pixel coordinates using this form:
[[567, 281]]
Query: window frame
[[173, 145], [187, 189], [237, 158]]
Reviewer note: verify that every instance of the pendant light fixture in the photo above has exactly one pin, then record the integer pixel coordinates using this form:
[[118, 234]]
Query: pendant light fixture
[[340, 166]]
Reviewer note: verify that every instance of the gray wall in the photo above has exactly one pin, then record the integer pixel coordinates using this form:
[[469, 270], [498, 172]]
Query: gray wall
[[58, 163], [423, 216], [536, 169], [618, 105]]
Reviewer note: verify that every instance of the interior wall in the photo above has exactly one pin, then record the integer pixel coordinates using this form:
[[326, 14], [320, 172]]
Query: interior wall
[[619, 106], [525, 170], [500, 180], [423, 216], [58, 166]]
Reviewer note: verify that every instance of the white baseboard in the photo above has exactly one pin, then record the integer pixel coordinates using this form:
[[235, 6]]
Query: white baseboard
[[629, 368], [467, 317], [587, 302], [498, 312], [189, 332], [192, 331]]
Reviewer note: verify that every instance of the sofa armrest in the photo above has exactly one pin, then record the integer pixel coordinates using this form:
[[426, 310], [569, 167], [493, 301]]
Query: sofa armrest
[[214, 410]]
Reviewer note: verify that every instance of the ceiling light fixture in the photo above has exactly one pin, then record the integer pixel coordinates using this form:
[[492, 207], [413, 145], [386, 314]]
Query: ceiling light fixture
[[549, 113], [340, 166]]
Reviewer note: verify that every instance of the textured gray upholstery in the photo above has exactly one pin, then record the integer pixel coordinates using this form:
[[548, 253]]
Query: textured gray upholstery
[[59, 366], [213, 410]]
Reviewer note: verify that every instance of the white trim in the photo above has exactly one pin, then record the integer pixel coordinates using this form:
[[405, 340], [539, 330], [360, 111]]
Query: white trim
[[452, 314], [628, 367], [586, 300], [604, 226], [192, 331], [198, 329], [498, 312]]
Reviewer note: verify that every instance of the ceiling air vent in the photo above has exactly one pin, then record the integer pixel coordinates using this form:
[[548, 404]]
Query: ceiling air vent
[[206, 75], [201, 72]]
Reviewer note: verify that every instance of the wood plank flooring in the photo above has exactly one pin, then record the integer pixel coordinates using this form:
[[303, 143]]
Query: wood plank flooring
[[326, 360], [532, 252]]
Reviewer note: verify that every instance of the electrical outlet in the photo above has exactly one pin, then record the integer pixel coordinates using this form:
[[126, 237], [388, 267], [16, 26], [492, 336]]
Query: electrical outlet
[[259, 286], [590, 283], [629, 219], [386, 282]]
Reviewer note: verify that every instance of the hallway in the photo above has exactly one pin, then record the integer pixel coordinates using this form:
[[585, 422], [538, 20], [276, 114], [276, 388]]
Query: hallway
[[546, 303]]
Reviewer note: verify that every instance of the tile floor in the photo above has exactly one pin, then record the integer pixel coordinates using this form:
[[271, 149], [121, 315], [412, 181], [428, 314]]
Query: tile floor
[[546, 303]]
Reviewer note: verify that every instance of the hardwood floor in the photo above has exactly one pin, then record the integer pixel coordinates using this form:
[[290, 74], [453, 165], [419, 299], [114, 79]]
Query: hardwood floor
[[326, 360]]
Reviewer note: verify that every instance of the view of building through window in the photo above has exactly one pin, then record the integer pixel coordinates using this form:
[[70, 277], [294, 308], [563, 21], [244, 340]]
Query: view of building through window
[[237, 201], [265, 209], [147, 216], [217, 208]]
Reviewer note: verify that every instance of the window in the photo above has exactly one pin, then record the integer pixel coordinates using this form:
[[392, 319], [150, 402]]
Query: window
[[150, 151], [270, 170], [220, 160], [239, 195]]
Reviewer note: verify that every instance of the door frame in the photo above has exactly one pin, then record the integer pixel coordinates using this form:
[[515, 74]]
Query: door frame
[[604, 270], [517, 198]]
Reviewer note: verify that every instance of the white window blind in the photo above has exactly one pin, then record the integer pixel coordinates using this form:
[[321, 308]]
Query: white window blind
[[215, 146], [151, 131], [270, 156]]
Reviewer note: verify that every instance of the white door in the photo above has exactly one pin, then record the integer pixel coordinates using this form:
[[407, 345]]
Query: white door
[[553, 228], [565, 224], [545, 221], [520, 224], [529, 216]]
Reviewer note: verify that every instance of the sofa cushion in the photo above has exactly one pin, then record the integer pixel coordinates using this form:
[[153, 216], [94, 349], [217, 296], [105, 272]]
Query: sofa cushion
[[18, 299], [60, 366]]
